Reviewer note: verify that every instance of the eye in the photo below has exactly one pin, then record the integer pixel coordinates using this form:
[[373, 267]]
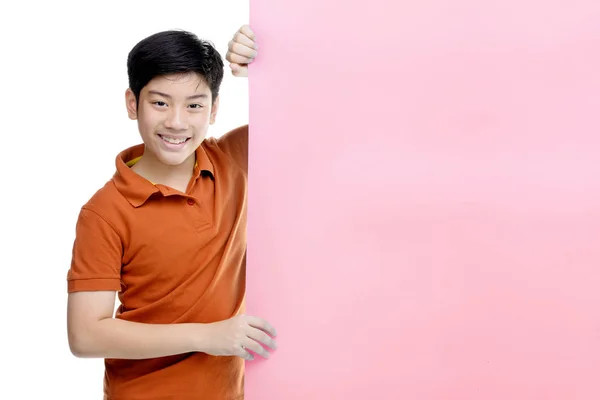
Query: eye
[[159, 103], [196, 106]]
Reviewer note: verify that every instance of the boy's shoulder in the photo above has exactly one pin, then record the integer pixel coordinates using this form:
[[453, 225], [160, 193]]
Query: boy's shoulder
[[230, 141], [233, 145], [107, 202], [112, 199]]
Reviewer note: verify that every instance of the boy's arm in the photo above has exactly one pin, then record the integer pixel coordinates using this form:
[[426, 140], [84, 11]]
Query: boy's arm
[[93, 332], [241, 51], [235, 143]]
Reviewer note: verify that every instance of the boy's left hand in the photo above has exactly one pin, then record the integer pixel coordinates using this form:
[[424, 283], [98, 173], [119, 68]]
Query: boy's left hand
[[241, 51]]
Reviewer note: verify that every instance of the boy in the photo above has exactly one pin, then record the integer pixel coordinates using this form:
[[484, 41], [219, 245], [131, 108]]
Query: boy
[[167, 233]]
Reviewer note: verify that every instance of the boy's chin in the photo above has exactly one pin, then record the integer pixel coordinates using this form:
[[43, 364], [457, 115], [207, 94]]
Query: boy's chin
[[174, 160]]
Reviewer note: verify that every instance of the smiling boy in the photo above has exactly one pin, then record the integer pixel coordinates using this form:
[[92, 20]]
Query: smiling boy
[[168, 234]]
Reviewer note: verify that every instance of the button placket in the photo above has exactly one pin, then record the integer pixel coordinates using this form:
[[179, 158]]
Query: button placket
[[198, 215]]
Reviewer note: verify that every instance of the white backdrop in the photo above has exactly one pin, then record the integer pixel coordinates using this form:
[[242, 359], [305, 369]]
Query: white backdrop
[[63, 73]]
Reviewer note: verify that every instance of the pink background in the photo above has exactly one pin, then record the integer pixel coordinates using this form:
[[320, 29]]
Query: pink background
[[425, 199]]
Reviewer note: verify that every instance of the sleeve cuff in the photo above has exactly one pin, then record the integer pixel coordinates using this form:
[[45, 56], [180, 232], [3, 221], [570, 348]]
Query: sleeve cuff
[[83, 285]]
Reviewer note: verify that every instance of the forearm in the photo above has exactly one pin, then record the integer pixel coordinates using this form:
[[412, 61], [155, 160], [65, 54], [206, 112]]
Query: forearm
[[116, 338]]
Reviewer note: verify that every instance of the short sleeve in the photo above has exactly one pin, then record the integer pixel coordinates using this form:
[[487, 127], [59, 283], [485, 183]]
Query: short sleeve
[[97, 255], [235, 143]]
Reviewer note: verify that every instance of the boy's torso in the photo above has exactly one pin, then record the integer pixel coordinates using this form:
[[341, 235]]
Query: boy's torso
[[183, 261]]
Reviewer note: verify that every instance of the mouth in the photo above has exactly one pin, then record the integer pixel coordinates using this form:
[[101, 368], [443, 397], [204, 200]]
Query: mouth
[[174, 140]]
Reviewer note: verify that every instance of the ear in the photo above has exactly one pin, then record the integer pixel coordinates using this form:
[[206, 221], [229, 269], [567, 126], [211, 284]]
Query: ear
[[213, 111], [131, 104]]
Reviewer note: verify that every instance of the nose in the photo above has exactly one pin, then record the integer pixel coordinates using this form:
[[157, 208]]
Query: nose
[[176, 119]]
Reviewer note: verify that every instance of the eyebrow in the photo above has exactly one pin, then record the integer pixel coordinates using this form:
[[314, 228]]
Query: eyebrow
[[196, 96]]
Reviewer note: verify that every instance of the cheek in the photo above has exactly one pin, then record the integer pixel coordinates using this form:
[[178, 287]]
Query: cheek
[[200, 121], [148, 123]]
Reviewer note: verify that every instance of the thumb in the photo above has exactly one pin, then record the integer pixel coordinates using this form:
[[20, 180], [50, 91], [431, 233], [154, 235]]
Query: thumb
[[238, 70]]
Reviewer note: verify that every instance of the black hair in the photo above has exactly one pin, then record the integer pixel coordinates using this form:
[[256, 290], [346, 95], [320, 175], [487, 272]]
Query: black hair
[[172, 52]]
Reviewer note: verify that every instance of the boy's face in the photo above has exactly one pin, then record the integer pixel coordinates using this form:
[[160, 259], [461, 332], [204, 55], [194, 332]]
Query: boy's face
[[173, 114]]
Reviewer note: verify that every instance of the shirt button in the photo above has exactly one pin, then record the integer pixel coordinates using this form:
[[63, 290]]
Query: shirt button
[[190, 202]]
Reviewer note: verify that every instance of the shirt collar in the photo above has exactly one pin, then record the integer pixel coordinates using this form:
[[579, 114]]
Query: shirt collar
[[136, 189]]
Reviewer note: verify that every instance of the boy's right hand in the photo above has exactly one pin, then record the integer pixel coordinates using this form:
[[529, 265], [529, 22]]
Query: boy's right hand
[[237, 335]]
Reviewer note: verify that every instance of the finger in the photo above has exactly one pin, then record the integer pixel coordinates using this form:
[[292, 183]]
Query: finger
[[235, 59], [243, 39], [238, 70], [261, 337], [243, 353], [261, 324], [240, 50], [256, 348], [248, 32]]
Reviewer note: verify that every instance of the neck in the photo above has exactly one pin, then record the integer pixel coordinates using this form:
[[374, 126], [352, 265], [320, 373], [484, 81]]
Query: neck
[[175, 176]]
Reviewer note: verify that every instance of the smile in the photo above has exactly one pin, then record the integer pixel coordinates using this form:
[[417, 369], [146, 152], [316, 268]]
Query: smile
[[174, 139]]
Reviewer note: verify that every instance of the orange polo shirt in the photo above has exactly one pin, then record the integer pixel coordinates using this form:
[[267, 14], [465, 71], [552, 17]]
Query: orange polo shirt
[[174, 258]]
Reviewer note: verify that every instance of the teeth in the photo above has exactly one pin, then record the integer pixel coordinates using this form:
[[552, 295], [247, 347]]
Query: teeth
[[173, 140]]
